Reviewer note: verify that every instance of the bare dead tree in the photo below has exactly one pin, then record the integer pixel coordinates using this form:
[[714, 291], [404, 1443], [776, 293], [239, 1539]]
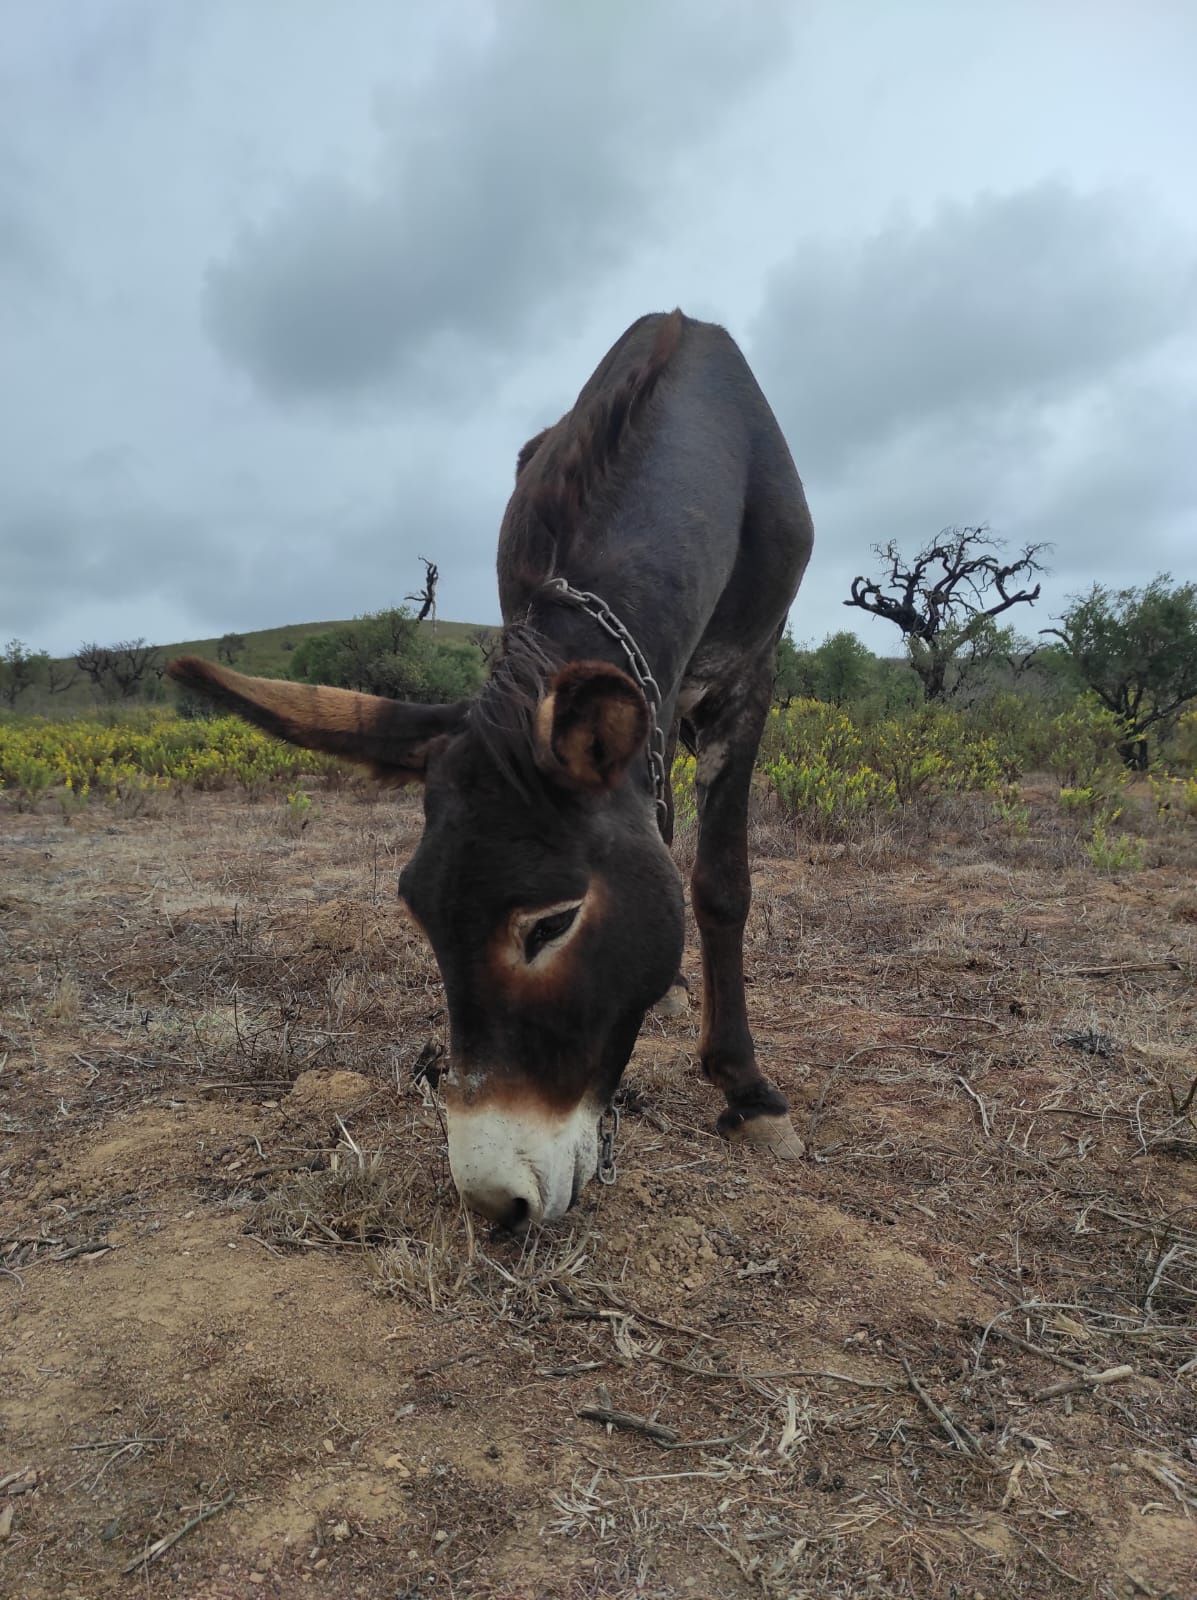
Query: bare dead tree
[[94, 661], [132, 661], [425, 598], [486, 640], [118, 669], [945, 601], [60, 676]]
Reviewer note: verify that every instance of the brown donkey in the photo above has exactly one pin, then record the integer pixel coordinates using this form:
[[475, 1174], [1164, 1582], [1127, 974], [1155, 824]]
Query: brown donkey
[[649, 554]]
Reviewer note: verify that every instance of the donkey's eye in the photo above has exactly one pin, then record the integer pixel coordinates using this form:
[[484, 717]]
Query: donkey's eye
[[543, 933]]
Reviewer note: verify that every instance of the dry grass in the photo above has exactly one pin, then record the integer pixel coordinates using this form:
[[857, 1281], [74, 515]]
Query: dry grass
[[233, 1260]]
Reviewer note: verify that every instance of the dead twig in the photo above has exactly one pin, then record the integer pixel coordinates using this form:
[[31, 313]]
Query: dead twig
[[97, 1245], [161, 1546], [657, 1431], [115, 1444], [1166, 1479], [1086, 1380], [1119, 968], [1055, 1566], [749, 1378], [1035, 1349], [1165, 1260], [956, 1431], [465, 1358], [980, 1104]]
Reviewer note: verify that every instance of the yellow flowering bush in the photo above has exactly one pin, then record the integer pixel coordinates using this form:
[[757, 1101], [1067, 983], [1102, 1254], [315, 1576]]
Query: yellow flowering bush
[[830, 770], [828, 797], [685, 799], [131, 762]]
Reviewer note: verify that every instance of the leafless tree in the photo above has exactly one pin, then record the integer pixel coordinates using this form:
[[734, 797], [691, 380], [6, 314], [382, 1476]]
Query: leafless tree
[[118, 669], [60, 676], [945, 601], [425, 598], [93, 661], [486, 640]]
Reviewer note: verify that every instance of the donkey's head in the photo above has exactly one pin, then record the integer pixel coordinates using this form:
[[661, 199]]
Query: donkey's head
[[542, 883]]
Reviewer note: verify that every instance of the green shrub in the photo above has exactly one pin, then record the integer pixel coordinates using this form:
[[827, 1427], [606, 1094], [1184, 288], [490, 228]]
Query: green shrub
[[1114, 852]]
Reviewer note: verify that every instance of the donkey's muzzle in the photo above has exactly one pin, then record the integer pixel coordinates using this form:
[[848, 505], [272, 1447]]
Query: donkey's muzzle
[[521, 1162]]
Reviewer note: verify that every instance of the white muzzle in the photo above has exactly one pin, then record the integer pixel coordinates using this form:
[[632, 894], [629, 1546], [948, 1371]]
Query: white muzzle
[[521, 1163]]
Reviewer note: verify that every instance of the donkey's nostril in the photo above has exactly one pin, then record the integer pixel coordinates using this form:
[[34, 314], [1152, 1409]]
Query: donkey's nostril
[[503, 1207]]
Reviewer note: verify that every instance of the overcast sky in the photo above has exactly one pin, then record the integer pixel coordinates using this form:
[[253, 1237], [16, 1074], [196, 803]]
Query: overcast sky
[[285, 284]]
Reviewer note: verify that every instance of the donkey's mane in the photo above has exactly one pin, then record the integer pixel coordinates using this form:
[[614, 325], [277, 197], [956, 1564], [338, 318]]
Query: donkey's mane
[[559, 474], [503, 715], [573, 459]]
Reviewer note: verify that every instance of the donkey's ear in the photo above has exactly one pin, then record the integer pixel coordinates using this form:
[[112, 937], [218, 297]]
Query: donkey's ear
[[391, 738], [589, 726], [530, 449]]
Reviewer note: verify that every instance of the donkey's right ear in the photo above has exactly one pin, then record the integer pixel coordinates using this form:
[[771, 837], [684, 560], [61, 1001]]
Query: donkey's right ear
[[392, 738]]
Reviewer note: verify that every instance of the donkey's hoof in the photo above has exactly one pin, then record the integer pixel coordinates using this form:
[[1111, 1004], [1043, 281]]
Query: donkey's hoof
[[675, 1002], [774, 1134]]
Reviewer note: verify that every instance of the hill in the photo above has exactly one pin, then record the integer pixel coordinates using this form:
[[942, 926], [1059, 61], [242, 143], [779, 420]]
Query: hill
[[265, 653]]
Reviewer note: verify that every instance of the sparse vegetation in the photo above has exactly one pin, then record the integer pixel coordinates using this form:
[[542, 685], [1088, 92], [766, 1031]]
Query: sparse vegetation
[[299, 808], [227, 1227]]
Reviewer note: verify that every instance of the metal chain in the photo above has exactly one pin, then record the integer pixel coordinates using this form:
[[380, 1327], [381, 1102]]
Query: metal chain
[[595, 606], [608, 1127], [598, 608]]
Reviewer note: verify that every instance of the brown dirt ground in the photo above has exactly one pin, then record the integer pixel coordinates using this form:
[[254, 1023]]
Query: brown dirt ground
[[213, 1287]]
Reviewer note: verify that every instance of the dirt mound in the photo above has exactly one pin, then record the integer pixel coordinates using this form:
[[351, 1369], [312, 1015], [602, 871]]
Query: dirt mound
[[322, 1096]]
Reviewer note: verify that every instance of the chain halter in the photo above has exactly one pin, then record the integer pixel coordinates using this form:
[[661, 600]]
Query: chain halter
[[596, 607]]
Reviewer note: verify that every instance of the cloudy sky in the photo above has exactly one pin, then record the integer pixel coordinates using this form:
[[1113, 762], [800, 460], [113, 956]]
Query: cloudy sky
[[285, 284]]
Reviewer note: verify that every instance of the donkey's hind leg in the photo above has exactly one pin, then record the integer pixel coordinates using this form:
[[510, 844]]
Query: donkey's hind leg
[[721, 891]]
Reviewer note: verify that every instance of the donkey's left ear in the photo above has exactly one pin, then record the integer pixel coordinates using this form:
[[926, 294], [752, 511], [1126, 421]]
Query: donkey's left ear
[[590, 725]]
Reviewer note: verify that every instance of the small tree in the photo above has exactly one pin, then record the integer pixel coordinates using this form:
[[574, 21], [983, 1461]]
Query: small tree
[[384, 653], [794, 679], [1136, 649], [844, 668], [119, 670], [229, 646], [945, 600], [93, 662], [20, 667], [132, 664], [60, 676]]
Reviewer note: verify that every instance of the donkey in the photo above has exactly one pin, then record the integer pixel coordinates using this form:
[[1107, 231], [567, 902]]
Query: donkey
[[650, 551]]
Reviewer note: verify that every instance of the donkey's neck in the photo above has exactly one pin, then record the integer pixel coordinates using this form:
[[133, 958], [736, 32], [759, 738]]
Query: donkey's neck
[[662, 631]]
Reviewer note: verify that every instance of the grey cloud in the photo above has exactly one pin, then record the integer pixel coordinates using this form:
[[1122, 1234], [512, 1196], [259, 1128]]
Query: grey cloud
[[27, 256], [1008, 301], [1023, 360], [437, 247], [1122, 503], [520, 174]]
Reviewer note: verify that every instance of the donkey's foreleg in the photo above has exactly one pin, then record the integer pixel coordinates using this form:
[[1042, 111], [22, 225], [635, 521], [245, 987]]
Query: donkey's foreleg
[[721, 892], [675, 1002]]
